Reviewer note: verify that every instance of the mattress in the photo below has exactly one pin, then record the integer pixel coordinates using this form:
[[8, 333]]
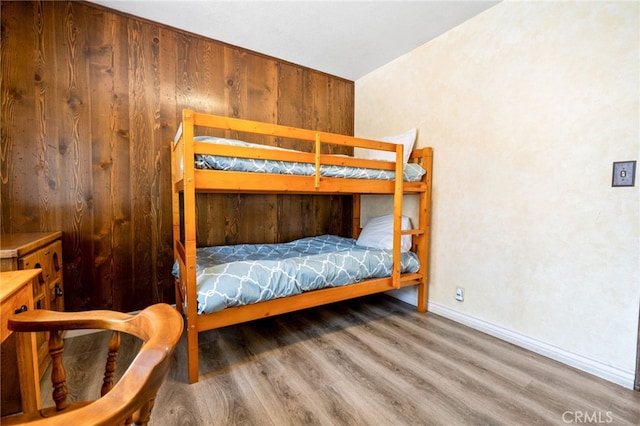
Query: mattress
[[412, 172], [236, 275]]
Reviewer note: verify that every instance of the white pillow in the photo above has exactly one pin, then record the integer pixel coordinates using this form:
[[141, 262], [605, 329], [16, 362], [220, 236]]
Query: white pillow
[[408, 139], [378, 233]]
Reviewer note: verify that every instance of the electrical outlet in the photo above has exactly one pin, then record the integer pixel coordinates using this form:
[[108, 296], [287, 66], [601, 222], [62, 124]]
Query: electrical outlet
[[460, 294], [624, 173]]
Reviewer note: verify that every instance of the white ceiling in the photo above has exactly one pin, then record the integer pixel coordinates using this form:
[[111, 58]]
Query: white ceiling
[[347, 39]]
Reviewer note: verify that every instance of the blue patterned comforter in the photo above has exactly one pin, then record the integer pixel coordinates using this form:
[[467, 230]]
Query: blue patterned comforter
[[412, 172], [237, 275]]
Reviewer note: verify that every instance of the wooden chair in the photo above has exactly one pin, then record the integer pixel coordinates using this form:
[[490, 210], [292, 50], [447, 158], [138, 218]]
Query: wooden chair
[[131, 399]]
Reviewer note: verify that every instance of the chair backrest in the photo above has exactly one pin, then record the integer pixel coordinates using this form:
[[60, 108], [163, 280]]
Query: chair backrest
[[131, 399]]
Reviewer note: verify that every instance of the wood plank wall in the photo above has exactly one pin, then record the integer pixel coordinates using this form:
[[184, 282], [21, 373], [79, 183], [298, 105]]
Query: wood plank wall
[[91, 100]]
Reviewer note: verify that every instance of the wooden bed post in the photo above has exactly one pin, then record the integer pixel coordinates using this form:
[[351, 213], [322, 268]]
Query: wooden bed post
[[425, 223], [175, 214], [188, 122]]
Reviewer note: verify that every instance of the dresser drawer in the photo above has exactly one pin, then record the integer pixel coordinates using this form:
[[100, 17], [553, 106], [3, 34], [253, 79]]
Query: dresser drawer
[[41, 250], [18, 301], [16, 294]]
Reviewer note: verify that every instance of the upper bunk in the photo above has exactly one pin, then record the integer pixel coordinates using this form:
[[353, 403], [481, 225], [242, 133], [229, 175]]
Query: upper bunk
[[322, 172]]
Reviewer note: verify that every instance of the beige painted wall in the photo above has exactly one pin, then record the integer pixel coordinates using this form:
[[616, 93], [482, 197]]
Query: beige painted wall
[[527, 105]]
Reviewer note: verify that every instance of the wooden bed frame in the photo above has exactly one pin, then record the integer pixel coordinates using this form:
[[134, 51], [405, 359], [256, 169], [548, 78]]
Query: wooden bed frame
[[186, 181]]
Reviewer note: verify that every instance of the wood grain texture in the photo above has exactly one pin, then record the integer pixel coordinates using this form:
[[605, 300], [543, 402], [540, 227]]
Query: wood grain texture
[[369, 361], [91, 100], [18, 106]]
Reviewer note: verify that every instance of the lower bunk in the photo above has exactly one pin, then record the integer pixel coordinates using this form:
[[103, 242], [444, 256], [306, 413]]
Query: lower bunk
[[240, 283]]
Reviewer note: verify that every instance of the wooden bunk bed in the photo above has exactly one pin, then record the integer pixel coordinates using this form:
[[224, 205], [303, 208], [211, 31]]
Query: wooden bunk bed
[[187, 180]]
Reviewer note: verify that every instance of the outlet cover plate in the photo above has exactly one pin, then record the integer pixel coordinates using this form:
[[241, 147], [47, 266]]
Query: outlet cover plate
[[624, 173]]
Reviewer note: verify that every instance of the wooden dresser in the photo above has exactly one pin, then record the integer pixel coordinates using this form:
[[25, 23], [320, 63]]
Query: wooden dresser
[[19, 367], [42, 250]]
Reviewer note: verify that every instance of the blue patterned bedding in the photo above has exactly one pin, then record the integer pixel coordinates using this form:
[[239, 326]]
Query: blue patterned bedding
[[412, 172], [237, 275]]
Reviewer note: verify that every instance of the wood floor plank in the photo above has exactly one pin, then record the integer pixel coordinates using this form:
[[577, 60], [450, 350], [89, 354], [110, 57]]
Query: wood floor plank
[[280, 397], [385, 370], [370, 361], [236, 400], [483, 347], [406, 361], [456, 375]]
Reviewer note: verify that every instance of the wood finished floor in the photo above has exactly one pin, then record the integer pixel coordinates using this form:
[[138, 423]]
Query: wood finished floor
[[371, 361]]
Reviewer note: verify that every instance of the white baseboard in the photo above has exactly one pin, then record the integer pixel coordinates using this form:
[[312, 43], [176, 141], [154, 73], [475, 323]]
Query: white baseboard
[[597, 368]]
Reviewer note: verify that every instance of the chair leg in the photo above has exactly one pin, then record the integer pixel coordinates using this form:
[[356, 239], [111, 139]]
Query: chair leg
[[110, 367], [58, 374]]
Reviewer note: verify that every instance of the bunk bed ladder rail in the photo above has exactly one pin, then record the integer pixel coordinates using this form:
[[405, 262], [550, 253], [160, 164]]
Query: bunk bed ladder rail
[[420, 234]]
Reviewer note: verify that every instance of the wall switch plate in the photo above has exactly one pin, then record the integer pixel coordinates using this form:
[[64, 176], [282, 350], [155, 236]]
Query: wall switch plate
[[624, 173]]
